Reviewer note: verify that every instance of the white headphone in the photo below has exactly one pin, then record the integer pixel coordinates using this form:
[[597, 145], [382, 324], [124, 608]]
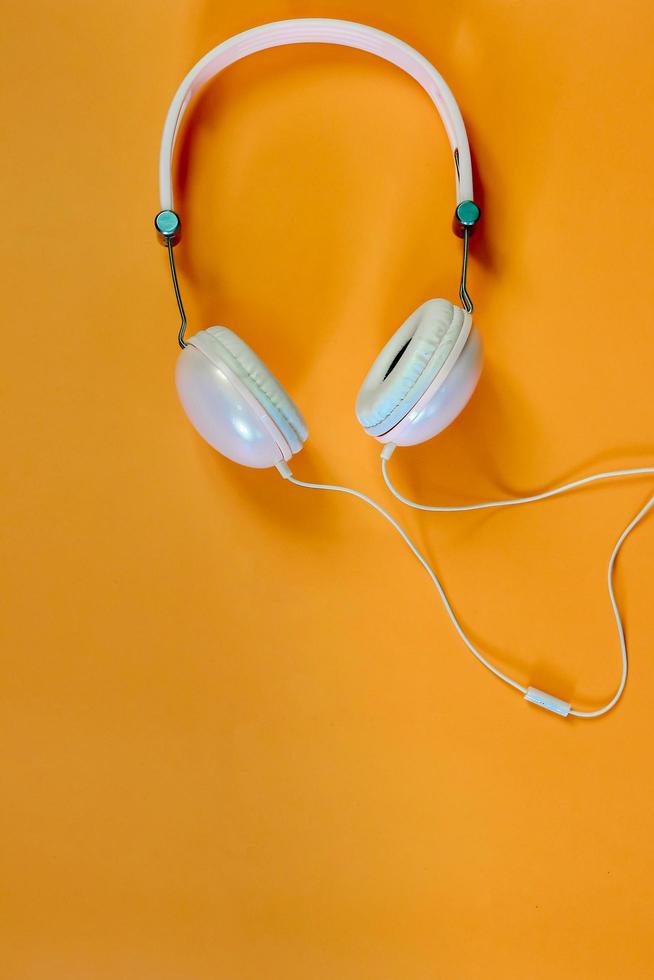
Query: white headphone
[[418, 384], [424, 375]]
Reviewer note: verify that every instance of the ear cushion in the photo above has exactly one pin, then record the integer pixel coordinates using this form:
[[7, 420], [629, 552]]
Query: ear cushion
[[262, 384], [408, 364]]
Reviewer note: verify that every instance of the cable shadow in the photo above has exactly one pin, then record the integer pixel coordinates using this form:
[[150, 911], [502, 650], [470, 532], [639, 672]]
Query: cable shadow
[[284, 504], [543, 674]]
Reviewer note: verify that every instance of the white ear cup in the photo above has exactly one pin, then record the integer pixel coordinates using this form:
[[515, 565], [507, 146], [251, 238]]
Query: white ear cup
[[423, 377], [235, 402], [263, 385], [443, 400]]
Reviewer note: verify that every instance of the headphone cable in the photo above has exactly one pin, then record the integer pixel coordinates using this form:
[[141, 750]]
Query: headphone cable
[[531, 694]]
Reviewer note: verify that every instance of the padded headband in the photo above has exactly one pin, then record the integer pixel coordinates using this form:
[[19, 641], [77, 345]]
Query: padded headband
[[321, 31]]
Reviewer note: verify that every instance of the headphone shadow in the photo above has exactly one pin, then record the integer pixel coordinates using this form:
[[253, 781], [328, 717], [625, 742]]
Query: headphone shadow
[[472, 449], [280, 500], [469, 449]]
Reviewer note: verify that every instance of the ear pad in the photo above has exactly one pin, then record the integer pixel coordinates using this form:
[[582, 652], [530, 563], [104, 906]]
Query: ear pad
[[409, 363], [262, 384]]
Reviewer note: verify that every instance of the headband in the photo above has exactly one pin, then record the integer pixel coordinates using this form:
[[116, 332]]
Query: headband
[[321, 31]]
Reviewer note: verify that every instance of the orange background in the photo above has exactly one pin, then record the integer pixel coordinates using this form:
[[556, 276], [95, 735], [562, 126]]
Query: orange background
[[240, 738]]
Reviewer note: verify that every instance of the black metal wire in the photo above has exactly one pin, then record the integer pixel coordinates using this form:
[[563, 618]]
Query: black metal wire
[[178, 297], [463, 292]]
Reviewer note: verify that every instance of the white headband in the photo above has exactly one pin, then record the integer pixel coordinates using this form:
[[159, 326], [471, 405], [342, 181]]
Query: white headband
[[322, 31]]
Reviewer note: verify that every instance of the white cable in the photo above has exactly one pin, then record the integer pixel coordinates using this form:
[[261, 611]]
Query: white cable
[[514, 501], [573, 485], [286, 473]]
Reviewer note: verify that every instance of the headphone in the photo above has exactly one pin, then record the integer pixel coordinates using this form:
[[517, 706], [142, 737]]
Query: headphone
[[426, 372], [418, 384]]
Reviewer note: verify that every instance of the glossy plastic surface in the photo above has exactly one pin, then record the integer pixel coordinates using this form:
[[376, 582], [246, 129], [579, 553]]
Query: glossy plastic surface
[[321, 30], [443, 400], [547, 701], [225, 413]]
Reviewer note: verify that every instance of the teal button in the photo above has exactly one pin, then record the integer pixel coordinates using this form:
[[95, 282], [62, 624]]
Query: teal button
[[467, 213], [167, 223]]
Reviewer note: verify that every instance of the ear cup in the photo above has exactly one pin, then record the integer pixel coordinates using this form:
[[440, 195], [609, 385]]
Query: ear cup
[[262, 384], [443, 400], [234, 401], [423, 350]]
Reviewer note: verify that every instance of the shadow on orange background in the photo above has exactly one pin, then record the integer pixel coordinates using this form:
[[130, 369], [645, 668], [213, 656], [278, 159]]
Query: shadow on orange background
[[240, 738]]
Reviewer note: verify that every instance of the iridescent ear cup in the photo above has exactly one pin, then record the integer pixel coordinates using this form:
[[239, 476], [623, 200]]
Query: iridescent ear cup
[[235, 402], [424, 376], [418, 384]]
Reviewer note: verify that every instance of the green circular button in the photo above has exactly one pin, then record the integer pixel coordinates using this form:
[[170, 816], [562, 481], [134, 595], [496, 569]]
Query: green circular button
[[167, 223], [468, 213]]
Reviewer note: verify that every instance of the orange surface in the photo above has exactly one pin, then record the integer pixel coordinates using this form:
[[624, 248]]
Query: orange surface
[[239, 738]]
